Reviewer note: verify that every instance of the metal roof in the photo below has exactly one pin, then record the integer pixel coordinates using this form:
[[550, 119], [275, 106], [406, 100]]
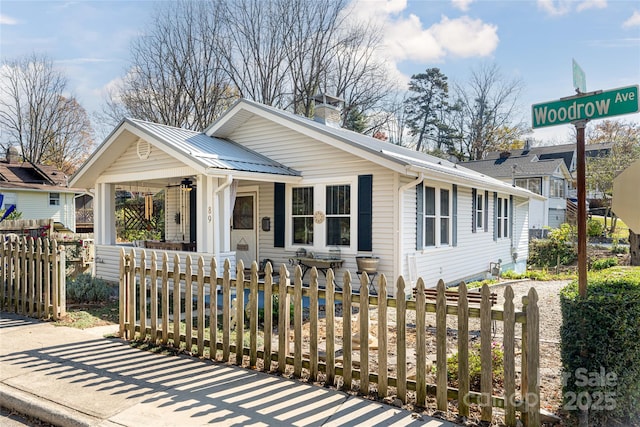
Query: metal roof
[[524, 167], [407, 158], [213, 152]]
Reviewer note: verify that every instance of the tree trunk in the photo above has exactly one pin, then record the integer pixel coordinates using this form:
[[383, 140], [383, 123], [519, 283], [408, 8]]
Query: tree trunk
[[634, 247]]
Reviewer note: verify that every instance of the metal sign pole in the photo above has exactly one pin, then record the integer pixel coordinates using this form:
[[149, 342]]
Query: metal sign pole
[[582, 208]]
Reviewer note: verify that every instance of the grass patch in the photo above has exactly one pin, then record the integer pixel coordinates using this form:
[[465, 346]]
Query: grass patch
[[622, 230], [542, 275], [90, 315]]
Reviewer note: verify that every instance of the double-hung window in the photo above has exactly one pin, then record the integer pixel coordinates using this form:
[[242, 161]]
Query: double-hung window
[[322, 216], [437, 216], [302, 215], [502, 217], [557, 188], [54, 199], [479, 210], [338, 209]]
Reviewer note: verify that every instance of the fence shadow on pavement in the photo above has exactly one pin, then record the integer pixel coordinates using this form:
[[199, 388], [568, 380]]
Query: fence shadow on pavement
[[107, 379]]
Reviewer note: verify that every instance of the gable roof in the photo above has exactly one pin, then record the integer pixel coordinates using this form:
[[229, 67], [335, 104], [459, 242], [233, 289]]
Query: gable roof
[[29, 176], [524, 167], [206, 154], [398, 158]]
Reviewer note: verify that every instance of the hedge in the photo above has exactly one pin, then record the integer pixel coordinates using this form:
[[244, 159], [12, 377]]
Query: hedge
[[600, 347]]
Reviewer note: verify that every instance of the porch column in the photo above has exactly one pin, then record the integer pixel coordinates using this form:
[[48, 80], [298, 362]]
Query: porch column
[[205, 214], [104, 214], [223, 212]]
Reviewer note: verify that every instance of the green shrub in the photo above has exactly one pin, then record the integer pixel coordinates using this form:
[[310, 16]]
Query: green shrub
[[601, 264], [475, 371], [595, 228], [85, 288], [557, 248], [600, 347]]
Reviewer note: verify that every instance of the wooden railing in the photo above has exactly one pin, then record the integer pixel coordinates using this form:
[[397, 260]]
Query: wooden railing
[[332, 354], [33, 277]]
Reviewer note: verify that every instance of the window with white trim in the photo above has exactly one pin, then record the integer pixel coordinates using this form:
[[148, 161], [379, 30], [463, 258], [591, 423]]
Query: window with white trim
[[479, 210], [556, 188], [54, 199], [503, 217], [532, 184], [338, 211], [302, 215], [323, 216], [437, 216]]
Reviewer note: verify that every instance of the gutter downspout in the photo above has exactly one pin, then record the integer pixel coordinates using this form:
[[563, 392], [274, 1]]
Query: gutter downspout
[[399, 239]]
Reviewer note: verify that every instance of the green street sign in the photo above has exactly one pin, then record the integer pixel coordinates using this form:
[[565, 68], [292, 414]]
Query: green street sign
[[579, 79], [591, 106]]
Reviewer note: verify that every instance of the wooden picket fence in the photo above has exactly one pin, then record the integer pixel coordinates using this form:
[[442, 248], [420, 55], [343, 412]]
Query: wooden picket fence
[[151, 312], [33, 276]]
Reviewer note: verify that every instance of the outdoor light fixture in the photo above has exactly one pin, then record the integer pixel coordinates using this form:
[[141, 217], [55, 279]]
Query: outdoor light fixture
[[186, 185], [266, 223]]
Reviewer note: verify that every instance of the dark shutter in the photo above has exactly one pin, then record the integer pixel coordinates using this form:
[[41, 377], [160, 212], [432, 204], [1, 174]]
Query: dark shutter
[[454, 216], [486, 211], [365, 213], [193, 220], [511, 219], [419, 216], [279, 214], [474, 209], [495, 216]]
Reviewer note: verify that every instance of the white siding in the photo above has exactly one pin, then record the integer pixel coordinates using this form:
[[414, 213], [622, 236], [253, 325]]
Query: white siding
[[108, 260], [473, 253], [35, 205], [317, 160], [129, 162]]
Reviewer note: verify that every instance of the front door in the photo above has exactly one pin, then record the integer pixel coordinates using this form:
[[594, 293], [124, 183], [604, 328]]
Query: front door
[[244, 235]]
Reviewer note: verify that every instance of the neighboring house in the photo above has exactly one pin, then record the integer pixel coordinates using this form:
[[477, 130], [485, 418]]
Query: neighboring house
[[38, 191], [549, 178], [568, 154], [262, 183]]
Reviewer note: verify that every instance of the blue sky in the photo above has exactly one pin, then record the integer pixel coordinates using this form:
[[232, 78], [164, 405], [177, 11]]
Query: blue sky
[[534, 41]]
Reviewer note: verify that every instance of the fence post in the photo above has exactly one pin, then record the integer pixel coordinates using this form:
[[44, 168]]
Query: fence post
[[533, 356], [401, 340], [62, 281], [124, 288]]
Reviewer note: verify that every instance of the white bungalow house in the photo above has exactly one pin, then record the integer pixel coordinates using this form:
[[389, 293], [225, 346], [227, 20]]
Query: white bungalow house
[[548, 177], [266, 184], [37, 191]]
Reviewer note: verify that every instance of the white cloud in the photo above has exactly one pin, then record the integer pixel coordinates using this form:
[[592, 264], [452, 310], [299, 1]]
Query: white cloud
[[406, 37], [633, 21], [591, 4], [562, 7], [7, 20], [463, 5], [466, 37], [555, 7]]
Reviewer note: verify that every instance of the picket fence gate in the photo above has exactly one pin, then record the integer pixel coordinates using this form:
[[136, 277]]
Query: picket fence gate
[[147, 312], [33, 276]]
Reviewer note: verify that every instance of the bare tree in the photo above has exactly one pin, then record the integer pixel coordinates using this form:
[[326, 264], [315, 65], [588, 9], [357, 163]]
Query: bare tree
[[73, 142], [176, 77], [489, 109], [48, 126], [251, 44], [357, 73]]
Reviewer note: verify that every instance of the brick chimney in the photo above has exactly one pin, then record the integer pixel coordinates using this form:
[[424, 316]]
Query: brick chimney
[[327, 109], [12, 155]]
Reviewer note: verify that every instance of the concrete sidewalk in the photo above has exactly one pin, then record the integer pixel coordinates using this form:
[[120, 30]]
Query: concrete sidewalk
[[71, 377]]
